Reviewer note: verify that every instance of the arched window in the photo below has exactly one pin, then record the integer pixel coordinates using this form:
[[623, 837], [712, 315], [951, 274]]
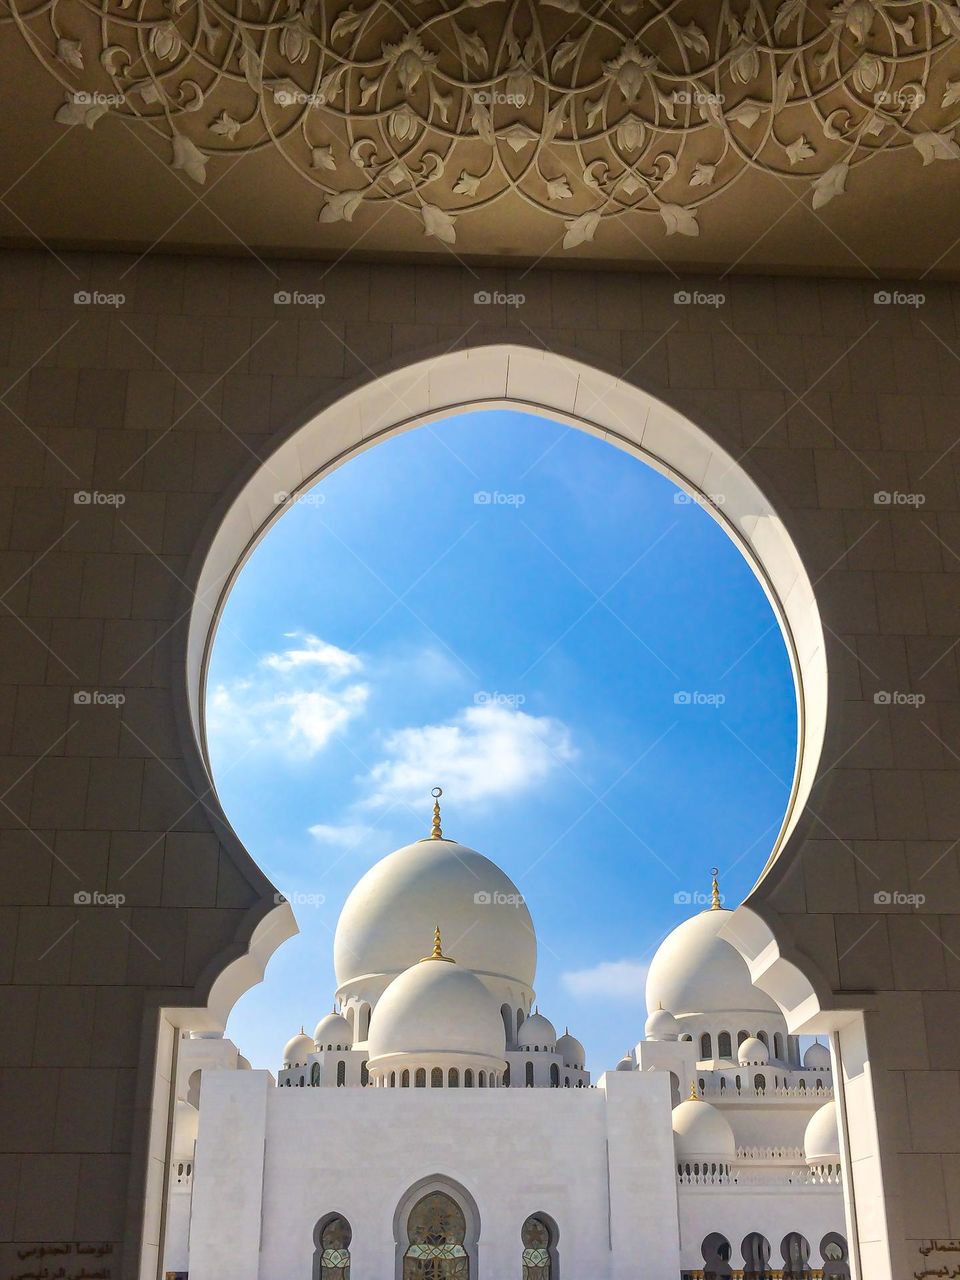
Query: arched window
[[315, 1073], [507, 1016], [741, 1036], [393, 1079], [529, 1074], [803, 1086], [331, 1256], [762, 1037], [686, 1036], [364, 1073], [778, 1045], [300, 1082], [539, 1238], [519, 1019], [453, 1078], [554, 1076], [795, 1252], [506, 1076], [706, 1046], [468, 1078], [756, 1256], [833, 1251], [436, 1232], [716, 1252], [482, 1080], [405, 1079], [420, 1078], [436, 1078], [724, 1047], [341, 1072], [760, 1082]]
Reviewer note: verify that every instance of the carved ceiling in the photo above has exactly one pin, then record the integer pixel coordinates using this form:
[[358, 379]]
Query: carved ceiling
[[788, 133]]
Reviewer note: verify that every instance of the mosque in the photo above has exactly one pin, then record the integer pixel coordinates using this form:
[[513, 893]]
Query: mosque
[[434, 1125]]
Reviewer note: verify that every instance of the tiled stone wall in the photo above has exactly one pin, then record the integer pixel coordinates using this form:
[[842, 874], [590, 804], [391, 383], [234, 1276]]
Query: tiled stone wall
[[169, 398]]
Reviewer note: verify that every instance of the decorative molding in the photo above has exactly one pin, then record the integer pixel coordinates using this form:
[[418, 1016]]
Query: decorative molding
[[622, 110]]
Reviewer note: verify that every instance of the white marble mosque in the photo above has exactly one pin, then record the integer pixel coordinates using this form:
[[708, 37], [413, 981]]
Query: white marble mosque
[[434, 1124]]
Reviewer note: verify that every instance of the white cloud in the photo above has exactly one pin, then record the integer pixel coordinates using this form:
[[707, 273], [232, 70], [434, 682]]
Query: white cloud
[[344, 835], [484, 751], [609, 980], [295, 701]]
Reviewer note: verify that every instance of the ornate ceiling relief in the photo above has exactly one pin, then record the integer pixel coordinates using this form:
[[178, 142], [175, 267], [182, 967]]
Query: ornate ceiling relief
[[622, 110]]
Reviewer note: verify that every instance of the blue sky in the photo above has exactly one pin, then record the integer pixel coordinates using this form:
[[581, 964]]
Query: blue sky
[[530, 618]]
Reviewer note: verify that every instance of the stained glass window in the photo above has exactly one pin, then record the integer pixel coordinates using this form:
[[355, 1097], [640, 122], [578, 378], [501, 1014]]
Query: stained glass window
[[535, 1235], [335, 1250], [436, 1230]]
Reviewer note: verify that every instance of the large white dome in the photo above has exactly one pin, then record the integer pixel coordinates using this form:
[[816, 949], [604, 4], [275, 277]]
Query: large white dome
[[397, 904], [436, 1007], [821, 1140], [700, 1131], [695, 972]]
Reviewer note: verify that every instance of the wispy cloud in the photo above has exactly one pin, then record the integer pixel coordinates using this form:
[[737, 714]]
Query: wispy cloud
[[294, 702], [482, 752], [610, 980], [345, 835]]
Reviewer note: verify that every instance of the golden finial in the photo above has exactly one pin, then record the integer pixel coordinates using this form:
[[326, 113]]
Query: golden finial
[[694, 1096], [437, 953], [436, 833], [715, 903]]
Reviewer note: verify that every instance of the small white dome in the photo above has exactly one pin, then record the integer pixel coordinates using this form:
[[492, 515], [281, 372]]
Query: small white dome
[[695, 972], [537, 1032], [817, 1058], [626, 1063], [333, 1032], [298, 1049], [243, 1064], [701, 1132], [661, 1025], [753, 1053], [436, 1007], [571, 1051], [821, 1140]]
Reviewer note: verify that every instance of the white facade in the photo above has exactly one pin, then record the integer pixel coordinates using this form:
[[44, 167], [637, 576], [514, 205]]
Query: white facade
[[436, 1087]]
